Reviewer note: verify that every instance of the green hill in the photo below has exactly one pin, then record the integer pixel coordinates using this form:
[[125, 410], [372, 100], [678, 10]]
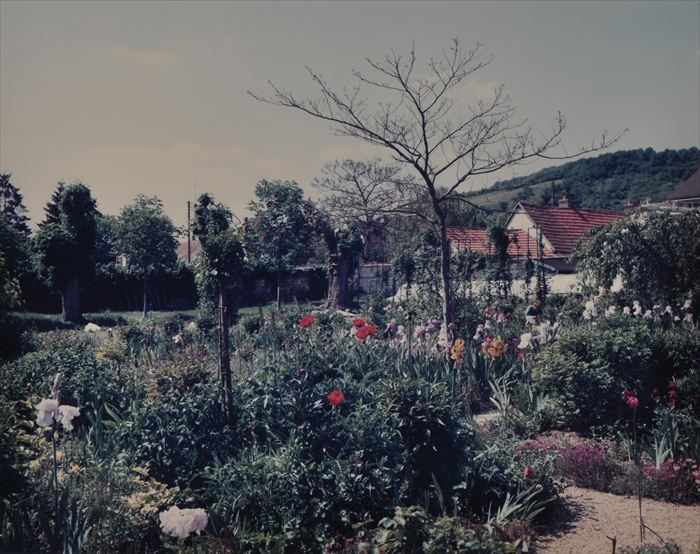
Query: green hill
[[608, 181]]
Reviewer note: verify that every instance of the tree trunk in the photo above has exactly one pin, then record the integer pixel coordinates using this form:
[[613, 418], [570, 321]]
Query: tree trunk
[[70, 302], [279, 294], [447, 298], [224, 355], [339, 281], [145, 297]]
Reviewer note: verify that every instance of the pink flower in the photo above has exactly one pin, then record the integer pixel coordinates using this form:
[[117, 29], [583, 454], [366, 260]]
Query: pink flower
[[631, 399], [528, 472]]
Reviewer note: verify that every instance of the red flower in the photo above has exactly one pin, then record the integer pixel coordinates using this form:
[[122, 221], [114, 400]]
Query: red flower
[[528, 472], [358, 323], [631, 399], [307, 321], [336, 397], [368, 330]]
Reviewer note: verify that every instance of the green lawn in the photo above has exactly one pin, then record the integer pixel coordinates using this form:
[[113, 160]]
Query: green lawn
[[49, 322]]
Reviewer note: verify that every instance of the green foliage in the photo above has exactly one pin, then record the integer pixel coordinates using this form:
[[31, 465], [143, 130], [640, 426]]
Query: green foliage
[[12, 208], [14, 263], [277, 236], [178, 434], [587, 369], [147, 237], [221, 267], [658, 257], [607, 181], [65, 246], [52, 210], [106, 244]]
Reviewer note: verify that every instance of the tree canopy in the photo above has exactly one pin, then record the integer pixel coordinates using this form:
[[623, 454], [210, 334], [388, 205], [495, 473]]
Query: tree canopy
[[278, 234], [656, 255], [12, 205], [147, 238], [65, 246]]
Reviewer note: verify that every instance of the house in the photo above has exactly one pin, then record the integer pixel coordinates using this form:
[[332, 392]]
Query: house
[[550, 233], [686, 194]]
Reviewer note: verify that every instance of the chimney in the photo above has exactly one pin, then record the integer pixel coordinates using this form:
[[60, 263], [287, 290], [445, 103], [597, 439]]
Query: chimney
[[563, 201]]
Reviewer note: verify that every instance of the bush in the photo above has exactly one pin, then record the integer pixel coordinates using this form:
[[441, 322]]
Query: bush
[[177, 435], [588, 368]]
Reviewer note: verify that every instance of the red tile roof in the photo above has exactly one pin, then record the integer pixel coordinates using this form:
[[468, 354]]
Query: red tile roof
[[562, 227], [477, 240], [565, 227]]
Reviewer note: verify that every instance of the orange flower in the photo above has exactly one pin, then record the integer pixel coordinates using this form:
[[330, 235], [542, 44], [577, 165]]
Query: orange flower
[[307, 321], [368, 330], [457, 352], [336, 397], [495, 348]]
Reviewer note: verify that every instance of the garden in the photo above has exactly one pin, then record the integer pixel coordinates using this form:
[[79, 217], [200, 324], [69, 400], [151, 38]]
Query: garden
[[347, 432], [454, 416]]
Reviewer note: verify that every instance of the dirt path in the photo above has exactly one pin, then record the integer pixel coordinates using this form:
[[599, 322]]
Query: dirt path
[[598, 514]]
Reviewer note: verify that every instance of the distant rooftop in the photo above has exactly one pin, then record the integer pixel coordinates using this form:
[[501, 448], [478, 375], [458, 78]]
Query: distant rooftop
[[563, 227], [690, 188]]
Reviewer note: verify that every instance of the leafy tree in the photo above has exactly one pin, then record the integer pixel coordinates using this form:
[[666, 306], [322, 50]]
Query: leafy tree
[[147, 240], [52, 210], [66, 248], [106, 244], [417, 123], [277, 236], [12, 205], [656, 255], [14, 258], [224, 263]]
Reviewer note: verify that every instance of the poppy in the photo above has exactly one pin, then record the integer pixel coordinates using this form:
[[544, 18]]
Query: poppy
[[368, 330], [307, 321], [336, 397]]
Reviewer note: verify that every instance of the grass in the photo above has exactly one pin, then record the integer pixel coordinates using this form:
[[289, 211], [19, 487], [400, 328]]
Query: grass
[[51, 322]]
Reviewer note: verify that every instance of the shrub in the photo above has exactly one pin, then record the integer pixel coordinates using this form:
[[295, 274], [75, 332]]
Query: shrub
[[673, 481], [177, 435], [586, 370], [587, 464]]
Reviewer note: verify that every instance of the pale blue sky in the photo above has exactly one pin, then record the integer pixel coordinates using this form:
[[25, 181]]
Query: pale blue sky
[[151, 97]]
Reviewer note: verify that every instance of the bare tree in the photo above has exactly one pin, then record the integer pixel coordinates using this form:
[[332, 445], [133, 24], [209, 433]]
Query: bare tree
[[362, 194], [418, 119]]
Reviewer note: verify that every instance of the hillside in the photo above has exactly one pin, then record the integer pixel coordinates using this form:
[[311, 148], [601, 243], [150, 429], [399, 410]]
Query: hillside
[[608, 181]]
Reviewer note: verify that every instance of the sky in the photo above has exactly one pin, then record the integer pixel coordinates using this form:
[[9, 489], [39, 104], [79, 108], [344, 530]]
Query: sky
[[151, 97]]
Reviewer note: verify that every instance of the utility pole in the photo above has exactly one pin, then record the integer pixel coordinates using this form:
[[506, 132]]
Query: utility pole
[[189, 234]]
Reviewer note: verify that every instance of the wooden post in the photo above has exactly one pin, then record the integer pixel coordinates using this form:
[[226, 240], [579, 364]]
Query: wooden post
[[224, 356], [189, 235]]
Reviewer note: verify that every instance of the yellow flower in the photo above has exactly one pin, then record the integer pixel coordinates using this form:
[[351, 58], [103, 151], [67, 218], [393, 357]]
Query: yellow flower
[[457, 352]]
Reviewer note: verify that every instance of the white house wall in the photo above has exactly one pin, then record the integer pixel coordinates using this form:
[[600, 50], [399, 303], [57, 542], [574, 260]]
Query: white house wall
[[523, 222]]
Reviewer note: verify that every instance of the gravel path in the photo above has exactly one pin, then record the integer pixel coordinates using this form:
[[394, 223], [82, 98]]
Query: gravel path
[[597, 514]]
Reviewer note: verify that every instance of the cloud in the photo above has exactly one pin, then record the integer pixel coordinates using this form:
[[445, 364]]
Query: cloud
[[148, 57]]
